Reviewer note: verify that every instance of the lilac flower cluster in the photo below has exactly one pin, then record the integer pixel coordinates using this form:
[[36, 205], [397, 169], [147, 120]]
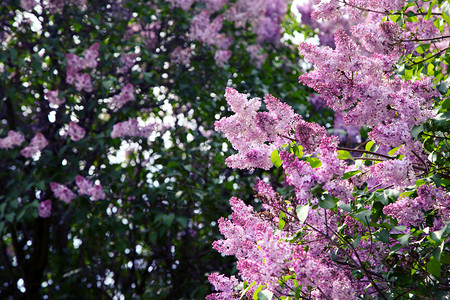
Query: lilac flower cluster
[[256, 134], [62, 192], [410, 212], [335, 9], [128, 61], [75, 64], [126, 95], [38, 142], [75, 131], [132, 128], [45, 209], [52, 97], [86, 187], [391, 106], [202, 29], [13, 139]]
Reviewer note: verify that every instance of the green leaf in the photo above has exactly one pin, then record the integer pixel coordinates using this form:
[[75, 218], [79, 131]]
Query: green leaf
[[443, 87], [404, 239], [395, 248], [437, 235], [246, 290], [9, 217], [423, 48], [317, 190], [446, 103], [432, 157], [302, 213], [298, 291], [434, 267], [383, 236], [392, 151], [445, 258], [369, 145], [356, 241], [297, 151], [255, 294], [327, 202], [342, 154], [281, 220], [437, 252], [429, 144], [446, 18], [417, 130], [344, 206], [275, 159], [314, 162], [363, 216], [350, 174], [265, 295]]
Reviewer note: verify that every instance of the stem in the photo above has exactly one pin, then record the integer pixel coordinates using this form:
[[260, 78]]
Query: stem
[[386, 13], [421, 160], [364, 151], [369, 276], [429, 39], [423, 60], [370, 158]]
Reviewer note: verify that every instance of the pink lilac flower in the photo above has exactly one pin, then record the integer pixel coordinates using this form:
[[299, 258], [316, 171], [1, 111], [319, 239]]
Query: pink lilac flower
[[13, 139], [184, 4], [407, 212], [300, 175], [309, 135], [205, 31], [87, 187], [257, 55], [221, 57], [397, 172], [391, 106], [181, 56], [256, 134], [410, 211], [84, 186], [45, 209], [128, 61], [335, 10], [90, 56], [126, 95], [380, 37], [150, 33], [97, 192], [83, 82], [214, 5], [38, 142], [316, 101], [346, 133], [76, 64], [52, 97], [243, 11], [223, 284], [268, 30], [253, 242], [75, 131], [28, 5], [62, 192], [325, 28], [132, 128]]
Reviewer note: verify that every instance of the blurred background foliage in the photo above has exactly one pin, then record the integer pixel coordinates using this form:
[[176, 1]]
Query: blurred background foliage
[[151, 237]]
